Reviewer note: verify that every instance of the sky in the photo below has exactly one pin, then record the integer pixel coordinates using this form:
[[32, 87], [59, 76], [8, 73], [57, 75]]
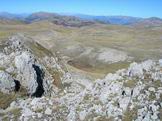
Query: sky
[[137, 8]]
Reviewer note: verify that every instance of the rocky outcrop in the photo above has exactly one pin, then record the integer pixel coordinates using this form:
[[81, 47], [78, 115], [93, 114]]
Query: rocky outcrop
[[6, 82], [118, 96], [26, 72], [139, 69]]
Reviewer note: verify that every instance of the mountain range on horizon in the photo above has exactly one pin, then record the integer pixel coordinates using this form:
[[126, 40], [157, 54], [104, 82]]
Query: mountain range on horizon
[[82, 19]]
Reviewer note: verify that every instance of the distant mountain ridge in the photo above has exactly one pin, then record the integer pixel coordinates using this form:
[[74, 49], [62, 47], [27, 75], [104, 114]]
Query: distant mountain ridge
[[58, 19], [120, 20], [153, 21], [78, 20], [11, 16]]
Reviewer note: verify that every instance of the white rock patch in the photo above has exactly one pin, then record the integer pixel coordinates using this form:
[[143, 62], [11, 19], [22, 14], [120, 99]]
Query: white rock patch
[[111, 55], [6, 82], [28, 76]]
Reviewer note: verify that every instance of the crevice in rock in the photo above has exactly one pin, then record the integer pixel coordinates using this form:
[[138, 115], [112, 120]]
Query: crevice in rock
[[40, 75], [17, 85]]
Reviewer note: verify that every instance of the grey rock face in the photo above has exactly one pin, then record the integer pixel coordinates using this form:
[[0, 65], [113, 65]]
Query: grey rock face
[[6, 82], [20, 62], [26, 72]]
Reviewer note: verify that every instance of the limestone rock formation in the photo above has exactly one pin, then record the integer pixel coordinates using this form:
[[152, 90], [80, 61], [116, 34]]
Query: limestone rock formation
[[6, 82], [22, 64], [27, 75]]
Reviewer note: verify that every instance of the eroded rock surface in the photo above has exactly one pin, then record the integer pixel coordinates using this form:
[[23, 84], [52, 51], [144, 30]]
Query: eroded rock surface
[[6, 82], [26, 72], [18, 62]]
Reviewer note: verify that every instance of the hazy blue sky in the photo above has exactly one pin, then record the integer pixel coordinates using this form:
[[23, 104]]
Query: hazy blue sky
[[139, 8]]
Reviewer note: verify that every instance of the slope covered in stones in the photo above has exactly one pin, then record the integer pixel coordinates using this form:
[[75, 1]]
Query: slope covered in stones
[[29, 71], [28, 64]]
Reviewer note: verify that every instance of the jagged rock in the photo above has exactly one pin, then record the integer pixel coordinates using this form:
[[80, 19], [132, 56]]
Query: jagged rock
[[6, 82], [18, 59], [23, 63], [138, 69], [48, 111]]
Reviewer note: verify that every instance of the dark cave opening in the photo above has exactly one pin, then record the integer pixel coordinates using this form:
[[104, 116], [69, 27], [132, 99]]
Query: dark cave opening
[[17, 85], [40, 75]]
